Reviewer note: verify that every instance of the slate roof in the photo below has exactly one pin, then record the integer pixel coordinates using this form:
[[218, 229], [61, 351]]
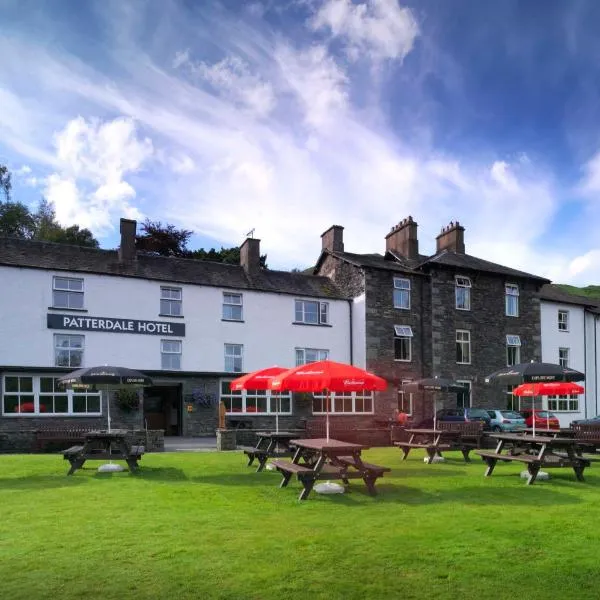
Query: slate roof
[[553, 293], [61, 257], [466, 261], [372, 261]]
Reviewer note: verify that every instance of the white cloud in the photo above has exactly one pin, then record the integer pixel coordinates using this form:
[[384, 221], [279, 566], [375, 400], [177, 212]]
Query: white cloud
[[379, 29], [182, 165], [94, 157], [23, 170], [590, 183], [232, 78]]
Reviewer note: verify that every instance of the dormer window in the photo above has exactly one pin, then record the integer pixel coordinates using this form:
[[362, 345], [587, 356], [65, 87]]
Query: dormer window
[[463, 293]]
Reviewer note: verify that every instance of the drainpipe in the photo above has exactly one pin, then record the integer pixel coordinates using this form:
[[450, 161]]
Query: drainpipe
[[585, 358], [596, 360], [350, 300]]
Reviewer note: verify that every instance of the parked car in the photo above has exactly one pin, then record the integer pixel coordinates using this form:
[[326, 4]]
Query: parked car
[[465, 415], [506, 420], [542, 417], [591, 421]]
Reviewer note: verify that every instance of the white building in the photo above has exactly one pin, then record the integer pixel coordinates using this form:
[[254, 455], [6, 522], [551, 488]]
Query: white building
[[570, 327], [189, 324]]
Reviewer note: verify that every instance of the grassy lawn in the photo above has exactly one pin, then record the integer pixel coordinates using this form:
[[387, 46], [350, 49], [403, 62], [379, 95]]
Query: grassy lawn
[[203, 525]]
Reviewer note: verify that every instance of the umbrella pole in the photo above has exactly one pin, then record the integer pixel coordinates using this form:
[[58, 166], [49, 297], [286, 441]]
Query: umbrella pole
[[277, 407], [327, 415], [108, 406]]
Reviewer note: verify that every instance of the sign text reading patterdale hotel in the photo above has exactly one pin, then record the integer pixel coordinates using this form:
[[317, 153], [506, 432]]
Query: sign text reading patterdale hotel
[[112, 325]]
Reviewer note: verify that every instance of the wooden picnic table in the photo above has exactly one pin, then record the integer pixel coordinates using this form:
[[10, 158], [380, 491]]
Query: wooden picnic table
[[536, 452], [562, 432], [270, 444], [328, 459], [104, 445], [434, 441]]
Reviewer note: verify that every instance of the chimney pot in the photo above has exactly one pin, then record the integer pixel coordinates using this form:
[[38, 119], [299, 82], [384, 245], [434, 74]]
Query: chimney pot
[[452, 237]]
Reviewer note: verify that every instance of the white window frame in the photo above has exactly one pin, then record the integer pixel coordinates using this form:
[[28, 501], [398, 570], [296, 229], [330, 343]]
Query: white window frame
[[562, 360], [231, 302], [175, 350], [469, 385], [513, 343], [172, 296], [71, 292], [233, 356], [300, 355], [402, 394], [70, 349], [563, 403], [563, 322], [462, 283], [402, 293], [300, 312], [38, 395], [344, 400], [462, 342], [273, 400], [511, 290], [405, 334]]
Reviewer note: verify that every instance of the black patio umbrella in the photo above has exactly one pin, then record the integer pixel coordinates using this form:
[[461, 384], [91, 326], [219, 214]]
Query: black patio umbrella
[[532, 372], [106, 375], [433, 384]]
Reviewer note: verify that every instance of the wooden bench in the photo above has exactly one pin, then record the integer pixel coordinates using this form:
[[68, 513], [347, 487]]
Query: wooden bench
[[491, 458], [431, 448], [77, 457], [65, 435], [377, 469]]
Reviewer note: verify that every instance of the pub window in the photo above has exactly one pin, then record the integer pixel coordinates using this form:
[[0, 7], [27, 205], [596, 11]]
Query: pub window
[[563, 320], [463, 293], [234, 354], [311, 312], [170, 355], [512, 300], [403, 343], [171, 301], [67, 292], [68, 350], [401, 293], [513, 350], [232, 307], [305, 356], [463, 347]]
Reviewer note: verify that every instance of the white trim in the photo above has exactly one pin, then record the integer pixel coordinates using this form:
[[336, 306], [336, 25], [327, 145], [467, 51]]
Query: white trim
[[565, 322], [404, 394], [36, 393], [508, 294], [403, 290], [462, 283], [468, 341], [350, 395], [271, 400], [68, 291]]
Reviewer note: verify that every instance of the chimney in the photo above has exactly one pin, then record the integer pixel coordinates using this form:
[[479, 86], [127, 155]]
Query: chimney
[[451, 238], [333, 239], [127, 250], [250, 255], [402, 239]]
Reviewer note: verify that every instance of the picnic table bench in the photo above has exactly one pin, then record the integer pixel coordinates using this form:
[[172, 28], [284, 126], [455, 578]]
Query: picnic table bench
[[434, 442], [328, 459], [104, 445], [536, 452], [270, 444], [66, 435]]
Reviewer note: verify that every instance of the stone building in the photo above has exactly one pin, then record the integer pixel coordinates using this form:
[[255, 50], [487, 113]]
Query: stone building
[[450, 314]]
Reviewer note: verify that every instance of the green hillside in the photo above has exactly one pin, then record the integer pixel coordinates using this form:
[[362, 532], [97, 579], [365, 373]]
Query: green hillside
[[590, 291]]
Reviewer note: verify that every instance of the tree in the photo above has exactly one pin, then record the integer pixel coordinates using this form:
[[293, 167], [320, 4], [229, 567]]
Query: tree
[[5, 182], [230, 256], [16, 220], [164, 240], [48, 229]]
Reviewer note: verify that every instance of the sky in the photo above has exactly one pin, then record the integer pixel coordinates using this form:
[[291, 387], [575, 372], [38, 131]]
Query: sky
[[288, 116]]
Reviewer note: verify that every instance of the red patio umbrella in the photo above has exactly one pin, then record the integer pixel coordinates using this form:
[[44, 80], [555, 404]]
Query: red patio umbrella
[[259, 380], [549, 388], [327, 376]]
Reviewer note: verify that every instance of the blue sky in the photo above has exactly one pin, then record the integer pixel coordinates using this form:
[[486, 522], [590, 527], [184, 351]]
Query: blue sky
[[289, 116]]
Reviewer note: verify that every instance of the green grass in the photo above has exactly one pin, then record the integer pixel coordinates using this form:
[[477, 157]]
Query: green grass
[[590, 291], [203, 525]]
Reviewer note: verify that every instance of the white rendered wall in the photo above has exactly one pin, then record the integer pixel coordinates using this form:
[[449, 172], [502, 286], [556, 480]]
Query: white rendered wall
[[553, 339], [268, 334], [359, 332]]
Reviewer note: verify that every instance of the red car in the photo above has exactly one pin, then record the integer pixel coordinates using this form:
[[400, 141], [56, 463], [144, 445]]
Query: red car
[[541, 419]]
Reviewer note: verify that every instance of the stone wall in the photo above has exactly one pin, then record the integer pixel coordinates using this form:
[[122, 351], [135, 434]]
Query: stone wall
[[202, 394], [488, 325]]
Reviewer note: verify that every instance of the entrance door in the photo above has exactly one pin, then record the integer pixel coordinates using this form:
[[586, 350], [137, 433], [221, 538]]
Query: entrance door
[[463, 399], [163, 408]]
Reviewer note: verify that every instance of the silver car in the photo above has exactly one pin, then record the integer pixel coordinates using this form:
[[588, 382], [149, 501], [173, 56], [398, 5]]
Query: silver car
[[506, 420]]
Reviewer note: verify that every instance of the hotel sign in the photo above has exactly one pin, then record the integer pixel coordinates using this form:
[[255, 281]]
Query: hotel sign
[[109, 324]]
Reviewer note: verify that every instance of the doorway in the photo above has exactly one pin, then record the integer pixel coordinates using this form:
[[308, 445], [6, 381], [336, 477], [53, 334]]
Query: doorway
[[163, 408], [463, 399]]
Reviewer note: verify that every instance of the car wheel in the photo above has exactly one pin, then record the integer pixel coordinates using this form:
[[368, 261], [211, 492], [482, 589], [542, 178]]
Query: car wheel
[[496, 428]]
